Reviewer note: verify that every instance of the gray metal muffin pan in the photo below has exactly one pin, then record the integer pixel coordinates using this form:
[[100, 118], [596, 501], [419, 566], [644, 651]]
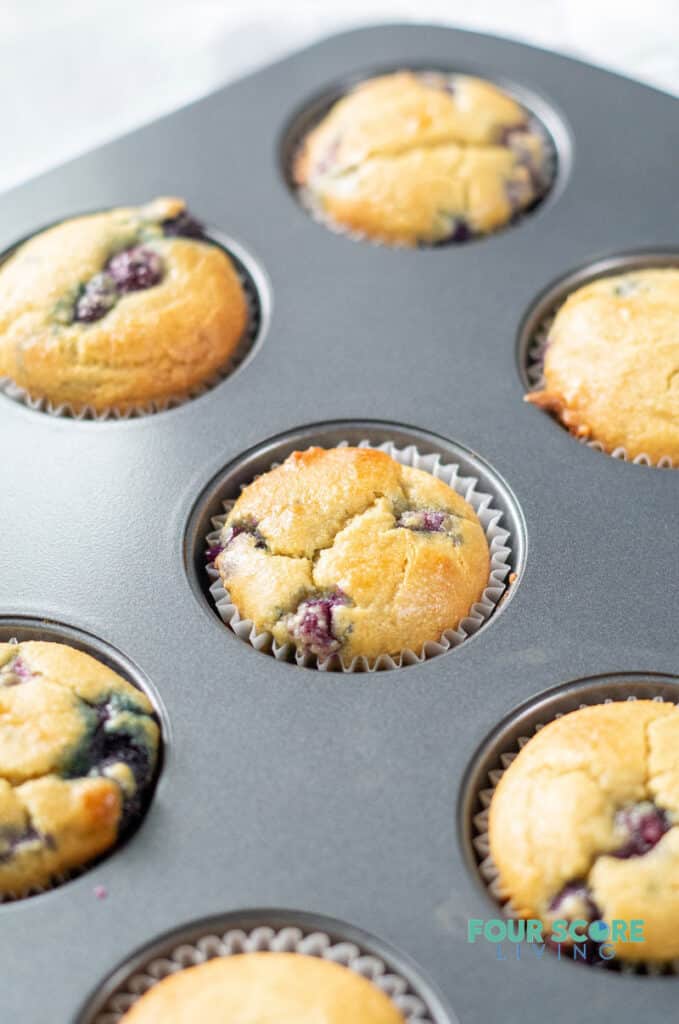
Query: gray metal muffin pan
[[287, 788]]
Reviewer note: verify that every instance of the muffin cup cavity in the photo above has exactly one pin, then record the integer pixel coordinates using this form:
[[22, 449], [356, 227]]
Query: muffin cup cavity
[[255, 289], [534, 335], [276, 932], [540, 119], [503, 746], [21, 630], [499, 541]]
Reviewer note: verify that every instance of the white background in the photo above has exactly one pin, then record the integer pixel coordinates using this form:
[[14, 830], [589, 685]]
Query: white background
[[74, 73]]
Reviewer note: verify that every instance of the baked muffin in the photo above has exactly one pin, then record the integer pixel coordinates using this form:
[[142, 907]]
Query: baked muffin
[[583, 824], [264, 988], [611, 367], [345, 551], [78, 751], [119, 309], [411, 159]]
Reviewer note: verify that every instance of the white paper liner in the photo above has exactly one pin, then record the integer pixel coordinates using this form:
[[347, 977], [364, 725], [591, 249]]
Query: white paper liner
[[535, 357], [285, 940], [309, 203], [498, 542], [489, 872], [254, 316]]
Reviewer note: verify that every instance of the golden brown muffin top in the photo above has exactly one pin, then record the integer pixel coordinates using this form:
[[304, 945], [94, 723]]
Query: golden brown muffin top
[[611, 368], [264, 988], [347, 551], [583, 824], [407, 158], [117, 309]]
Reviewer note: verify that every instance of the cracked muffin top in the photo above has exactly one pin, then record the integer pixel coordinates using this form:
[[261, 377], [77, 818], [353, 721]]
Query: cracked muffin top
[[265, 988], [611, 367], [345, 551], [78, 752], [583, 824], [119, 309], [410, 159]]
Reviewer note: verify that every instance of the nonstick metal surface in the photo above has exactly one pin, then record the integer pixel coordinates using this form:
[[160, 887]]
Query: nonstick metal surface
[[283, 787]]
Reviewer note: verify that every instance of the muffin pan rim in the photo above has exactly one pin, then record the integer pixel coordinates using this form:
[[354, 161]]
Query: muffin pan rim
[[541, 110], [248, 919], [277, 447]]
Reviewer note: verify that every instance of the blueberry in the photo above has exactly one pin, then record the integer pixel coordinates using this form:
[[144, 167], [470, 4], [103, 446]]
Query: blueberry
[[575, 901], [135, 269], [248, 526], [431, 520], [213, 552], [461, 231], [644, 825], [312, 624], [11, 841], [97, 298], [183, 226], [113, 737], [15, 672]]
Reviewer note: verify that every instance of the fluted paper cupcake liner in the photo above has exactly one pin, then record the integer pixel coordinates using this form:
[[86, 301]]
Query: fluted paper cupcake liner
[[490, 874], [500, 551], [535, 359], [308, 201], [37, 403], [266, 939]]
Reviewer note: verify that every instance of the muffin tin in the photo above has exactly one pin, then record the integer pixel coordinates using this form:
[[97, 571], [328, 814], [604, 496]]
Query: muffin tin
[[282, 787]]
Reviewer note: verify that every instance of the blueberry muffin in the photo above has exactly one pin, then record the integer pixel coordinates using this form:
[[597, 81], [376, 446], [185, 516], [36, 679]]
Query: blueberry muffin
[[264, 988], [345, 551], [411, 159], [583, 824], [78, 751], [611, 366], [119, 309]]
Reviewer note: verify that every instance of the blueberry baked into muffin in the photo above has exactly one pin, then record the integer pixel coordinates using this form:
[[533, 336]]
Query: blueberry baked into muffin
[[345, 551], [78, 752], [119, 309], [264, 988], [583, 824], [611, 365], [412, 159]]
